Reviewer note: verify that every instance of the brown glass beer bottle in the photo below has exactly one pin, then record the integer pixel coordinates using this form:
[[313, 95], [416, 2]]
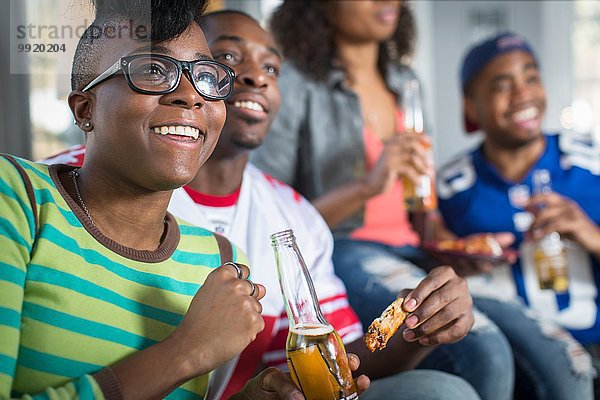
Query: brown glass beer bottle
[[315, 353], [550, 251], [419, 196]]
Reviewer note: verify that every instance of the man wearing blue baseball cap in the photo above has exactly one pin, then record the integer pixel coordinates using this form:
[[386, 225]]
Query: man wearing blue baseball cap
[[491, 189]]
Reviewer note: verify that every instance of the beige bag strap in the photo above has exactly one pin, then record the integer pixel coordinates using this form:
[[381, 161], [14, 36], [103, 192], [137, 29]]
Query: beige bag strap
[[224, 248], [220, 377]]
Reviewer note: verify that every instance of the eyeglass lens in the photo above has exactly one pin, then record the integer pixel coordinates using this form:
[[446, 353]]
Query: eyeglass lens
[[211, 79], [158, 75]]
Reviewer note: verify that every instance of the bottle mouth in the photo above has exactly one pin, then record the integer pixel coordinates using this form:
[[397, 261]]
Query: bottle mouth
[[286, 238]]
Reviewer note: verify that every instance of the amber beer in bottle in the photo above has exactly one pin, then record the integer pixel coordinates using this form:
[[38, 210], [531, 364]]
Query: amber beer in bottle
[[419, 196], [550, 252], [315, 352]]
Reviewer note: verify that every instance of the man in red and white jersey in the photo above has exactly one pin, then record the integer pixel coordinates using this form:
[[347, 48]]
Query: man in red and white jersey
[[234, 198]]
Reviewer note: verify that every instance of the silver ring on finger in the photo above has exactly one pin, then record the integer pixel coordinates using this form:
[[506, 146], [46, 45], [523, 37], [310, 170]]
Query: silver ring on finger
[[237, 269], [253, 285]]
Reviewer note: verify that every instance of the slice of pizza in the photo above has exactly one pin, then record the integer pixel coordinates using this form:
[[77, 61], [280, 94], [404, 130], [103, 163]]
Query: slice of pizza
[[484, 244], [384, 327]]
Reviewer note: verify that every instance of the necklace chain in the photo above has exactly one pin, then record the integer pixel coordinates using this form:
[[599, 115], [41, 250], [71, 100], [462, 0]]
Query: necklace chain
[[75, 174]]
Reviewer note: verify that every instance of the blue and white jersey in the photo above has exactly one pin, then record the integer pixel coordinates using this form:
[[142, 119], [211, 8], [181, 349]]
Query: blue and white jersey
[[475, 198]]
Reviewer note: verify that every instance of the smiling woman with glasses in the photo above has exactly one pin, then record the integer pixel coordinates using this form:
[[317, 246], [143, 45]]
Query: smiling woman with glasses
[[103, 293], [160, 74]]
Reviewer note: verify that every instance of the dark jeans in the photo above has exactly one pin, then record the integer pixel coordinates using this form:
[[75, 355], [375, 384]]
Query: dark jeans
[[420, 385], [550, 363], [594, 350]]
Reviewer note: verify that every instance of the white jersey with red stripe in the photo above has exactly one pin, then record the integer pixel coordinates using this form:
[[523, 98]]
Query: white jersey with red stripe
[[74, 155], [264, 206]]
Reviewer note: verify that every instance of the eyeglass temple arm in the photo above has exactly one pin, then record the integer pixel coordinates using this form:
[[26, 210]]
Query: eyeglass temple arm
[[105, 75]]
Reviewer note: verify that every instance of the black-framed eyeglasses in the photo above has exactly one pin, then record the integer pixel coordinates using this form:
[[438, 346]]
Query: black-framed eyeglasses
[[160, 74]]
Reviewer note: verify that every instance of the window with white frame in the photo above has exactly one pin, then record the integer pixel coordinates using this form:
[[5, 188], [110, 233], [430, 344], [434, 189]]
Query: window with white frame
[[584, 113]]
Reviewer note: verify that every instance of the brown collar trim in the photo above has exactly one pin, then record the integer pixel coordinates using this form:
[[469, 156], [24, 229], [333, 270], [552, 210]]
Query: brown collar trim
[[163, 252]]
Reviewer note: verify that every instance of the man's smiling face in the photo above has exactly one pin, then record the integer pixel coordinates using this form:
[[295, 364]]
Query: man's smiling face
[[507, 99], [238, 41]]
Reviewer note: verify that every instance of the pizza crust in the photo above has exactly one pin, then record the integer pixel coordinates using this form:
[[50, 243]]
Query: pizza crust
[[384, 327]]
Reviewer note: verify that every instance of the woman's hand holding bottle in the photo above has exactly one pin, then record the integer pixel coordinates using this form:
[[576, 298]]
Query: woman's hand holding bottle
[[405, 155], [223, 318]]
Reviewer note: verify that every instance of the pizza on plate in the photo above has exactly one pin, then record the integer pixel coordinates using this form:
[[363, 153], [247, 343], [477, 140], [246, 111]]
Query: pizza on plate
[[479, 244]]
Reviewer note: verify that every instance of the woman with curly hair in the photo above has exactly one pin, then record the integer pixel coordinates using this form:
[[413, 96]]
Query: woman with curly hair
[[339, 140]]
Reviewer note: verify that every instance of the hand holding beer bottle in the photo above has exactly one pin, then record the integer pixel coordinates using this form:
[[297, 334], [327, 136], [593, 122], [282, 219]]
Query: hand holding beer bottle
[[273, 384], [419, 191], [557, 213], [315, 352]]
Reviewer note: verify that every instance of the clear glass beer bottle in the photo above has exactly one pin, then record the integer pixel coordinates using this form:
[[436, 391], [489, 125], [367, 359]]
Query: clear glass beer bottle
[[315, 353], [419, 196], [549, 251]]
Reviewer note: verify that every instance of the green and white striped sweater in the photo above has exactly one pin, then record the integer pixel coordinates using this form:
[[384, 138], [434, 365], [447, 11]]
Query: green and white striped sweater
[[72, 301]]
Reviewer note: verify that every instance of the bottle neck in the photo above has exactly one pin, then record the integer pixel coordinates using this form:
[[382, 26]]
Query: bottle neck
[[301, 302], [542, 185], [411, 104]]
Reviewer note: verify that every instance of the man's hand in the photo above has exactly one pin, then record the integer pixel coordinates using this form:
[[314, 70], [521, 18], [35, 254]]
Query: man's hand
[[556, 213], [272, 384], [440, 307]]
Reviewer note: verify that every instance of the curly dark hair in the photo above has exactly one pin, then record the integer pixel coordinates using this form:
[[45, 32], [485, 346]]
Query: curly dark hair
[[306, 36]]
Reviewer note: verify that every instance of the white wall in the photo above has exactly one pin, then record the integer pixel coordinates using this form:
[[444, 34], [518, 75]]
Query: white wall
[[447, 28], [556, 55], [446, 31], [423, 61]]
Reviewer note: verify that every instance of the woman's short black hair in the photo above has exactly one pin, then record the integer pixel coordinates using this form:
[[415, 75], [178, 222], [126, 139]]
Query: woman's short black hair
[[306, 36], [155, 21], [208, 16]]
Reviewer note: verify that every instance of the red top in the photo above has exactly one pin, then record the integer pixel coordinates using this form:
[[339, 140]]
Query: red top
[[386, 219]]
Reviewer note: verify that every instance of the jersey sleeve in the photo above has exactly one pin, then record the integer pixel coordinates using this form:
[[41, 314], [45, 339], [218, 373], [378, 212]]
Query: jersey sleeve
[[74, 156], [330, 289], [17, 238], [315, 240], [455, 181]]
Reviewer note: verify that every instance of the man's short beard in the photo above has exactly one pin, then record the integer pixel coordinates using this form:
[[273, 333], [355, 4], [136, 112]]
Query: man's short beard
[[515, 144], [245, 144], [250, 121]]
